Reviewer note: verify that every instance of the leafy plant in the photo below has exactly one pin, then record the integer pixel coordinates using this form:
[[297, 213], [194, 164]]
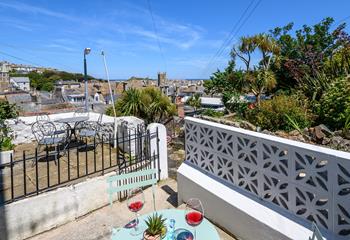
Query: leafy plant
[[8, 110], [346, 128], [5, 140], [195, 101], [272, 113], [293, 123], [6, 144], [334, 106], [149, 104], [155, 225], [234, 103]]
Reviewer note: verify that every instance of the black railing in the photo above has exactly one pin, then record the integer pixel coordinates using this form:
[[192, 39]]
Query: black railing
[[36, 171]]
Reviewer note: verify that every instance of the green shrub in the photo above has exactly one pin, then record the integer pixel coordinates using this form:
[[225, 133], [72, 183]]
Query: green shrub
[[6, 144], [212, 113], [334, 107], [277, 113], [7, 110], [234, 103]]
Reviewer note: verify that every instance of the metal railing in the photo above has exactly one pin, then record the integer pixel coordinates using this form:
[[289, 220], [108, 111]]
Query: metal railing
[[34, 171]]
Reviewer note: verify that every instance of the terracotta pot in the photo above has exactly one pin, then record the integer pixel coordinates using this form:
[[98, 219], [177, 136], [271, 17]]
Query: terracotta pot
[[149, 237], [157, 237]]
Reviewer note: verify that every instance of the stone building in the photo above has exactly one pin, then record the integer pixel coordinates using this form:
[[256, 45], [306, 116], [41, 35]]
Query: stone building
[[4, 76]]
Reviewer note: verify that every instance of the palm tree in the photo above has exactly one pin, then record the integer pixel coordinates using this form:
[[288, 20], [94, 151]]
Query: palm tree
[[131, 103], [195, 101], [149, 104], [244, 50], [261, 78]]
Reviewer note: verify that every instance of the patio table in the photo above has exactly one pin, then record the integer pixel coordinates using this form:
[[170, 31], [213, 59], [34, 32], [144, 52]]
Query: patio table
[[72, 119], [205, 230]]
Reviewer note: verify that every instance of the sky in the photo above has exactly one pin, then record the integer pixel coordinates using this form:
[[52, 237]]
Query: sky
[[143, 37]]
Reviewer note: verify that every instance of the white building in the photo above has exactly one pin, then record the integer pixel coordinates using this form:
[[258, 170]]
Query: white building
[[22, 83]]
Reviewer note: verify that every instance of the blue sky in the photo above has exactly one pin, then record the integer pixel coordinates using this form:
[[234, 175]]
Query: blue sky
[[190, 32]]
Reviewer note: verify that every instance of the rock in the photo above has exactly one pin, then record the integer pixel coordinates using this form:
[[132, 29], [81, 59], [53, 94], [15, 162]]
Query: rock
[[336, 141], [326, 141], [306, 131], [294, 133], [267, 132], [299, 138], [281, 134], [325, 130], [318, 134], [340, 143], [337, 133], [247, 125]]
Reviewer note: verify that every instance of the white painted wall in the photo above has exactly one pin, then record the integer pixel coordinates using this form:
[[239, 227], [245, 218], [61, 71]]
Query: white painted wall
[[33, 215], [294, 180], [163, 148], [240, 215], [22, 132]]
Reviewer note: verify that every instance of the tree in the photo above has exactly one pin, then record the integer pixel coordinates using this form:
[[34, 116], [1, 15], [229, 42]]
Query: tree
[[195, 101], [309, 51], [244, 50], [149, 104], [226, 81], [260, 78]]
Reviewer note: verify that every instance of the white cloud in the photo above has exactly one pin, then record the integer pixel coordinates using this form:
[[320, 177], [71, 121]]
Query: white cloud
[[22, 7]]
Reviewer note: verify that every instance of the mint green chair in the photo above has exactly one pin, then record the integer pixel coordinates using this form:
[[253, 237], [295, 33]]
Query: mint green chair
[[143, 178], [316, 234]]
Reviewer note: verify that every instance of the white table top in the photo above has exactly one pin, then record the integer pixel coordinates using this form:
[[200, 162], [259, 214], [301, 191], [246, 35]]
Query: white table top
[[73, 119]]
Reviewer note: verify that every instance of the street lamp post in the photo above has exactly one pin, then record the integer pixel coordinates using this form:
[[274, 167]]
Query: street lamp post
[[86, 52]]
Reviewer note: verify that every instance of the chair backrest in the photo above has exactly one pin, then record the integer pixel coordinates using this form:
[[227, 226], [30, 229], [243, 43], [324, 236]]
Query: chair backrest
[[119, 183], [99, 120], [42, 129], [43, 118], [36, 130], [316, 234]]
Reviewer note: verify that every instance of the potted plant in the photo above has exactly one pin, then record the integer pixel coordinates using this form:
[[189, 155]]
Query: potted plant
[[6, 145], [156, 228]]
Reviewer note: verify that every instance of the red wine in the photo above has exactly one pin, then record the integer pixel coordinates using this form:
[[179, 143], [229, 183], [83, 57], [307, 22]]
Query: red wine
[[194, 218], [135, 206]]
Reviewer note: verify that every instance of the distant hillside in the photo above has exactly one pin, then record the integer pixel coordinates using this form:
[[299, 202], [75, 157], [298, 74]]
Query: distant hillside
[[45, 81]]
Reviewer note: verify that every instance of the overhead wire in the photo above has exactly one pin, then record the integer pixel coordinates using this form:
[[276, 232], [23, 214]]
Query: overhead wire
[[19, 58], [156, 34], [46, 59], [223, 45], [234, 33]]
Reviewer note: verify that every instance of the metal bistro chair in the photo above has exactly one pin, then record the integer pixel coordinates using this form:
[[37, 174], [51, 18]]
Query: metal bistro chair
[[88, 129], [316, 234], [116, 184], [60, 127], [43, 118], [46, 134]]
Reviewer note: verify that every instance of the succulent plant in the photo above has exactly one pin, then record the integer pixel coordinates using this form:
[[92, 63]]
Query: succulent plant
[[155, 225]]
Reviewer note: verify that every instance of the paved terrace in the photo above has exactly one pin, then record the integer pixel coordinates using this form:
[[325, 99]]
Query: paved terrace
[[98, 224]]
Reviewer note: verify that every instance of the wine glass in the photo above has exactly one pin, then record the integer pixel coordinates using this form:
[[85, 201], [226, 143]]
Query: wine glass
[[194, 213], [135, 202]]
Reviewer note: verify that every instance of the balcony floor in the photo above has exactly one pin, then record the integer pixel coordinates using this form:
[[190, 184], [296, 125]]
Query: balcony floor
[[97, 225]]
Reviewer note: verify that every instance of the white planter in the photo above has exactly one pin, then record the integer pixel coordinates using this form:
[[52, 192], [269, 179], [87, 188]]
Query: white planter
[[5, 157]]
